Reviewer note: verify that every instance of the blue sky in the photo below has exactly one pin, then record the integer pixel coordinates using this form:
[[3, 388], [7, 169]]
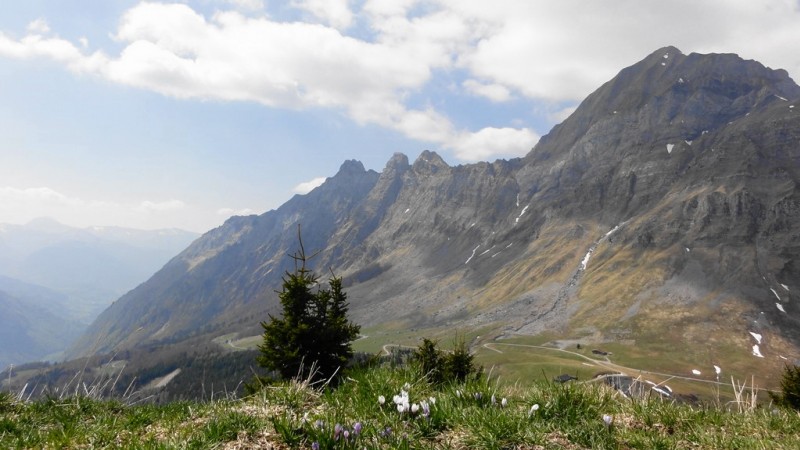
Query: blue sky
[[178, 114]]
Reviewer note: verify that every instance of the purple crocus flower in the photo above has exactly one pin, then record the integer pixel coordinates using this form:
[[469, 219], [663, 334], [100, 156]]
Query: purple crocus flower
[[337, 430]]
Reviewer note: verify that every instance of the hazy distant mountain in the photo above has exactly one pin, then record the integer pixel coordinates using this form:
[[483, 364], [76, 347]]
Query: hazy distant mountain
[[34, 322], [664, 210], [56, 279]]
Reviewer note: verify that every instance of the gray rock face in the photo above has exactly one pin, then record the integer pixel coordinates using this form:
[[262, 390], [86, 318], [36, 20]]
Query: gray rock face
[[674, 185]]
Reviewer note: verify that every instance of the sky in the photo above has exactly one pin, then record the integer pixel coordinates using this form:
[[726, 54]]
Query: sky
[[180, 114]]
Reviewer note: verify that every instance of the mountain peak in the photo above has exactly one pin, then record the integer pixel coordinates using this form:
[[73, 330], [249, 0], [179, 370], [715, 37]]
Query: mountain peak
[[351, 167], [688, 95], [429, 161], [47, 225], [397, 161]]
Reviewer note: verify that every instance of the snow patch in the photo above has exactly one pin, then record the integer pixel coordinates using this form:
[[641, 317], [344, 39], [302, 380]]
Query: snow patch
[[695, 371], [517, 200], [687, 250], [670, 147], [776, 294], [757, 351], [680, 80], [610, 232], [509, 245], [473, 254], [663, 64], [487, 251], [523, 212], [704, 132], [666, 55], [781, 98], [407, 210], [785, 287], [717, 369], [756, 336], [586, 259], [688, 142], [791, 106], [780, 307]]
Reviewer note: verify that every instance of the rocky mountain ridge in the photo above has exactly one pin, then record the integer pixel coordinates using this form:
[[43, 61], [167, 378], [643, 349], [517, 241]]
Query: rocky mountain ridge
[[664, 208]]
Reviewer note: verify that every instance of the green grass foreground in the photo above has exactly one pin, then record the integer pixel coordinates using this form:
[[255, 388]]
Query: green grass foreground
[[363, 412]]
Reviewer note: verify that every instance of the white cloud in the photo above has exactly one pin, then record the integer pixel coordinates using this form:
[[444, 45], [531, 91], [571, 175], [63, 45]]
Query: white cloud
[[561, 115], [564, 50], [39, 26], [335, 13], [20, 205], [492, 91], [308, 186], [488, 142], [228, 212], [148, 206], [248, 5], [555, 52]]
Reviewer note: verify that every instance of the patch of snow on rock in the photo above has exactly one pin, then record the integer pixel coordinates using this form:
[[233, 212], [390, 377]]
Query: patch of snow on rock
[[776, 294], [663, 64], [666, 55], [785, 287], [687, 250], [695, 371], [688, 142], [521, 214], [680, 80], [780, 307], [473, 253], [610, 232], [586, 260], [757, 351], [717, 369], [407, 210], [756, 336], [670, 147], [781, 98]]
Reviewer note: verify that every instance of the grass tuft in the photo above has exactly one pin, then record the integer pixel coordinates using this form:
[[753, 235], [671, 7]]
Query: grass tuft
[[390, 408]]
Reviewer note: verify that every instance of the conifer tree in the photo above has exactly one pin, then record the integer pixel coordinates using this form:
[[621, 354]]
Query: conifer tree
[[313, 337]]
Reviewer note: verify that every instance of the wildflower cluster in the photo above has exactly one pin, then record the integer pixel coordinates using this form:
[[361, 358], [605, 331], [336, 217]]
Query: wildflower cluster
[[339, 436], [404, 406]]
